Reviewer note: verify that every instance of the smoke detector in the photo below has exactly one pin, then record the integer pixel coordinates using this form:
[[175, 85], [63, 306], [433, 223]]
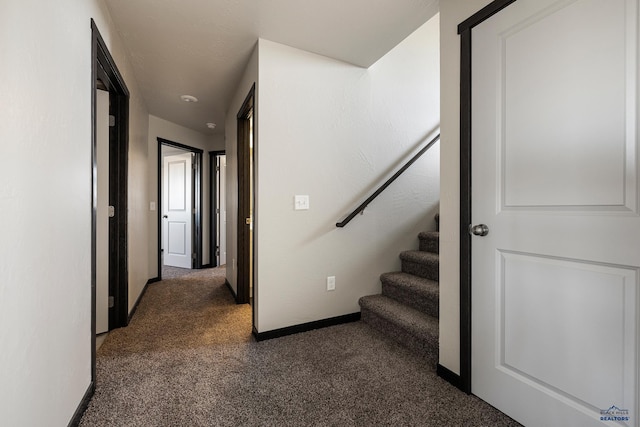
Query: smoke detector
[[189, 98]]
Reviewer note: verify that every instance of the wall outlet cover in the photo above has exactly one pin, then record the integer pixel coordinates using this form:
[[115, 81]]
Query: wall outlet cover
[[301, 202]]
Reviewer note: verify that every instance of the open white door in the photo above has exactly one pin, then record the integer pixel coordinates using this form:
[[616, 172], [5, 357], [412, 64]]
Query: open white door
[[555, 178], [222, 210], [177, 210], [102, 212]]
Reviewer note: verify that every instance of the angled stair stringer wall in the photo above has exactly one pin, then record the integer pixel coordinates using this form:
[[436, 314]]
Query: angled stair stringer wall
[[407, 308]]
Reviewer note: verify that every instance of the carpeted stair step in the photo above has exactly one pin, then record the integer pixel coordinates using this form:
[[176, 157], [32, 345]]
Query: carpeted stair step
[[411, 328], [422, 264], [429, 241], [416, 292]]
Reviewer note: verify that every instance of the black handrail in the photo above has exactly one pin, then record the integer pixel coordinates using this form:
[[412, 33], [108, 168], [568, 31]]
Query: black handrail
[[364, 204]]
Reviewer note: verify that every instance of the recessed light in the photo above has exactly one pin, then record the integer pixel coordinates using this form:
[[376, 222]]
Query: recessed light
[[189, 98], [211, 125]]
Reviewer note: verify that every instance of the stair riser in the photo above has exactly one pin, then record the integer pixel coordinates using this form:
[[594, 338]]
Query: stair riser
[[425, 347], [426, 271], [430, 245], [425, 304]]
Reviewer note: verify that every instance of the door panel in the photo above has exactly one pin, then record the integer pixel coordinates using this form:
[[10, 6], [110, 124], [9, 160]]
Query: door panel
[[557, 307], [590, 48], [177, 238], [176, 180], [555, 178], [177, 210]]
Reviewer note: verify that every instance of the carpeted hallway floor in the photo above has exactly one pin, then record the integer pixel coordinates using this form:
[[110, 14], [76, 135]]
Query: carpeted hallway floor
[[188, 359]]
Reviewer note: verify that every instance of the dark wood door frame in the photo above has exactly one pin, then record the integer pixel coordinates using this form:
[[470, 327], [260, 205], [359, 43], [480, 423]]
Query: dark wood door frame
[[464, 30], [244, 195], [103, 68], [213, 207], [197, 202]]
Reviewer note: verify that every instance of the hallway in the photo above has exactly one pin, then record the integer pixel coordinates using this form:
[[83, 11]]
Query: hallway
[[188, 358]]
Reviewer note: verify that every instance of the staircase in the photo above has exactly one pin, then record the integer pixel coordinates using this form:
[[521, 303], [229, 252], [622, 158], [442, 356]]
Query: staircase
[[407, 309]]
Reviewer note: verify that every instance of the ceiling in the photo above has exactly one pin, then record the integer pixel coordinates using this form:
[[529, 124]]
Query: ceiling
[[201, 47]]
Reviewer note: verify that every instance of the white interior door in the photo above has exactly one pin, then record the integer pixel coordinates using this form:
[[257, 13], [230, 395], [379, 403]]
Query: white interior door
[[102, 213], [177, 210], [555, 178], [222, 210]]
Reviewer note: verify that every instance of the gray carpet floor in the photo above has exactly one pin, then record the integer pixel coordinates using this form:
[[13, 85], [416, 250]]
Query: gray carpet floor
[[188, 359], [170, 272]]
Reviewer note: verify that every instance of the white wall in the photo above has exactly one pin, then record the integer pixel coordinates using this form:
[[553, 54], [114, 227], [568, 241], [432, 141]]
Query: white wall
[[249, 78], [160, 128], [452, 13], [45, 204], [335, 132]]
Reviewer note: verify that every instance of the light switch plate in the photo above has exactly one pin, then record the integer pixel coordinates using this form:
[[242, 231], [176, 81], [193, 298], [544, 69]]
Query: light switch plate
[[331, 283], [152, 206], [301, 202]]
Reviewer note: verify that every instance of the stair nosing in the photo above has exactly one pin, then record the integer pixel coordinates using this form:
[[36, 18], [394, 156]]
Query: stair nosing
[[428, 234], [425, 319], [425, 281], [424, 286], [414, 254]]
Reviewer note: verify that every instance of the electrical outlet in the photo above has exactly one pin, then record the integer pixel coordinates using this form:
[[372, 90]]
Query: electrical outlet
[[331, 283]]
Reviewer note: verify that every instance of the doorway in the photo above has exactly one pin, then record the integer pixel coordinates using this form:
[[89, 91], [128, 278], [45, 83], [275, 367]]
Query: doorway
[[102, 211], [112, 113], [246, 197], [551, 261], [177, 208], [218, 208], [180, 206]]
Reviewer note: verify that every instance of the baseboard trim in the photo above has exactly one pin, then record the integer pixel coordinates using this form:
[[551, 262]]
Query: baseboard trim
[[135, 306], [82, 407], [306, 327], [450, 376], [233, 293]]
